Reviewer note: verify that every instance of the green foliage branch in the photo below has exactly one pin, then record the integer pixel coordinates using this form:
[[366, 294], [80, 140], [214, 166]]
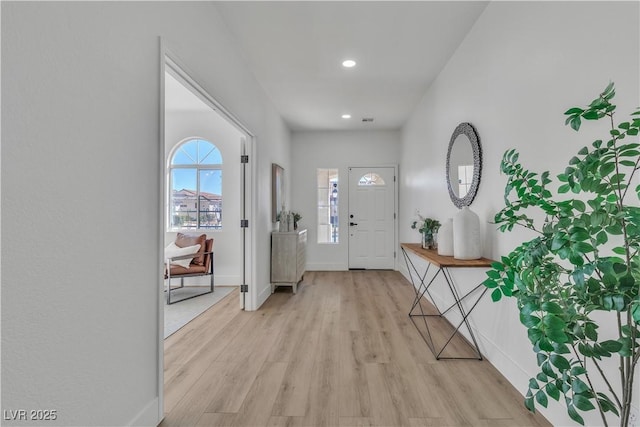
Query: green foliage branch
[[583, 259], [425, 225], [296, 216]]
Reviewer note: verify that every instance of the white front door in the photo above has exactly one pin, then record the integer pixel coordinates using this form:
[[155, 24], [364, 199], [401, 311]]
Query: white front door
[[371, 218]]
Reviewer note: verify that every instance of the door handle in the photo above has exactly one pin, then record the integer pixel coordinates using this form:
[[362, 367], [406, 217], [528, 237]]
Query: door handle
[[352, 224]]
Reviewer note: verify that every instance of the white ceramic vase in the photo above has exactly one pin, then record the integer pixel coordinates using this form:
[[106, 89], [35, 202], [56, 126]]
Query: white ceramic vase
[[466, 235], [445, 238]]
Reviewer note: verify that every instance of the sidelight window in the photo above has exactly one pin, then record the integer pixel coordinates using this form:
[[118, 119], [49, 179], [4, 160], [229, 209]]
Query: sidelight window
[[328, 220]]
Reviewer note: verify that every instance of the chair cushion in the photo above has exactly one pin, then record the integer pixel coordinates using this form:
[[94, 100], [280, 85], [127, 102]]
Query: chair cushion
[[177, 270], [184, 240], [173, 250]]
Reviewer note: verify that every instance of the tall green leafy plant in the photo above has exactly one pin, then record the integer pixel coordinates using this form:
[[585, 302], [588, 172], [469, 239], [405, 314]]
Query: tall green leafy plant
[[584, 259]]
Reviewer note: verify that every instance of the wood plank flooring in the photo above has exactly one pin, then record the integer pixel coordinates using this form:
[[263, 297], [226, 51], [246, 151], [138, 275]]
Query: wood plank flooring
[[341, 352]]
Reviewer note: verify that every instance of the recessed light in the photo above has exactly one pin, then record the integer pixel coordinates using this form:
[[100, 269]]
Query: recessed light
[[348, 63], [346, 116]]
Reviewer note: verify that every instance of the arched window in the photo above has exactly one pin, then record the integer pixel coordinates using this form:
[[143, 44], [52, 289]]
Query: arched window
[[195, 186], [371, 178]]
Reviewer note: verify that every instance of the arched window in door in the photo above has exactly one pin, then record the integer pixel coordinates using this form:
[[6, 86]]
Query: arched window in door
[[371, 178], [195, 186]]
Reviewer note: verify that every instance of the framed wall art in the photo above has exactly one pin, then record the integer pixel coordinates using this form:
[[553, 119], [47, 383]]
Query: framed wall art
[[277, 191]]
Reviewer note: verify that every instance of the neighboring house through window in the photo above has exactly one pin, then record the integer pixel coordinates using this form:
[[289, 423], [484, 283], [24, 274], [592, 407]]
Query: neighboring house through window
[[195, 186]]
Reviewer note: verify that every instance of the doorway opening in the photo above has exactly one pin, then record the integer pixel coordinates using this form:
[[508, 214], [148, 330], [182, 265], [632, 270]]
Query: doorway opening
[[203, 183]]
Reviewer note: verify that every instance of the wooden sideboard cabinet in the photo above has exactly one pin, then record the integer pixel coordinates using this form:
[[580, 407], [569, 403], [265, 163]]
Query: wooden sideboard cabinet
[[288, 258]]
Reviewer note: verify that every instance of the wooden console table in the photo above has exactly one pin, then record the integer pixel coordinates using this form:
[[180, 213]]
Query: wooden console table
[[443, 264], [288, 258]]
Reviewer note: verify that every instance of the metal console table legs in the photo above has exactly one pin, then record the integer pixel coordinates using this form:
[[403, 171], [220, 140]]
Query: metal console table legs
[[442, 263]]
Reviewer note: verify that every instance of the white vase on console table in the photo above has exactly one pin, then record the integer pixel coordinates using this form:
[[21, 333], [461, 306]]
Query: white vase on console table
[[445, 238], [466, 235]]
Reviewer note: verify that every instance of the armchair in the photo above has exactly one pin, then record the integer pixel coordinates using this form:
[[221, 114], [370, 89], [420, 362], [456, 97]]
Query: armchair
[[201, 265]]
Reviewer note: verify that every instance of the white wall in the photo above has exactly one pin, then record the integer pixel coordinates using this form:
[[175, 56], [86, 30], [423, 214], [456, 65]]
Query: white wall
[[340, 149], [227, 241], [81, 116], [521, 66], [268, 154]]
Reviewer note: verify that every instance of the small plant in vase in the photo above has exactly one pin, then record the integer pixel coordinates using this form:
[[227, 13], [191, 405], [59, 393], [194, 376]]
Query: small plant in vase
[[288, 220], [428, 228], [296, 218]]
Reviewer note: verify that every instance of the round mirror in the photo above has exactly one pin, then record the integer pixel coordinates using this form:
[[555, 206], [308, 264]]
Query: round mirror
[[464, 164]]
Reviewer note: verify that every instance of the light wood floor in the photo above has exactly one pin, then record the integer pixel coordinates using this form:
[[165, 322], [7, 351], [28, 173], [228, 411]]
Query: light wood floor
[[341, 352]]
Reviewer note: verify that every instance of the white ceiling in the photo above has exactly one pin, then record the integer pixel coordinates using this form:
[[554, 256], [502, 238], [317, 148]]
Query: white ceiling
[[295, 49]]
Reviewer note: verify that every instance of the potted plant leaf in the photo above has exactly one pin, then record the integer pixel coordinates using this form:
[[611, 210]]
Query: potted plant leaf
[[428, 228], [583, 266], [296, 218]]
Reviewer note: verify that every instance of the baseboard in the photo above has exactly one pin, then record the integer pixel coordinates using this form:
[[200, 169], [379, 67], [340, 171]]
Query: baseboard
[[402, 268], [319, 266], [518, 376], [263, 295], [148, 417]]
